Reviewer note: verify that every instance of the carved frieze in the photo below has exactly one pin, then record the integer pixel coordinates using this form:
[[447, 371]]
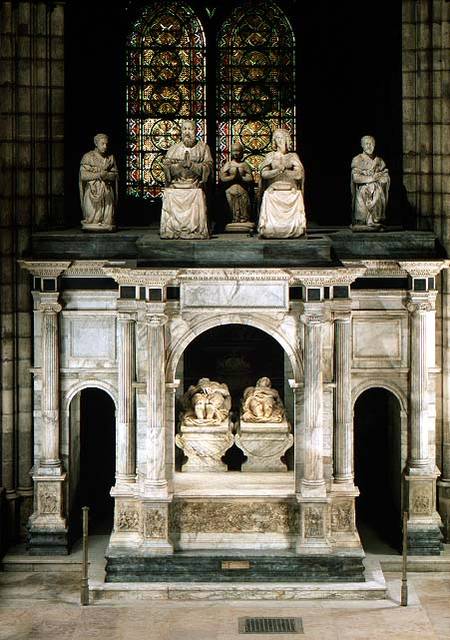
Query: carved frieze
[[232, 517], [155, 523], [313, 522], [421, 503], [127, 520], [48, 497], [342, 516]]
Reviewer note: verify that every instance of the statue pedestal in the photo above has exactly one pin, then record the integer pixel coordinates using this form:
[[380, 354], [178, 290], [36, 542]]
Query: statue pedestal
[[264, 443], [183, 214], [98, 227], [240, 227], [204, 445]]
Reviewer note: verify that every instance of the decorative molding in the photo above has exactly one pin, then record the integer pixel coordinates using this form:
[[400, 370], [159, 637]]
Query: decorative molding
[[42, 269], [326, 277], [86, 268], [424, 269], [232, 517], [49, 307], [234, 274], [383, 268], [141, 277]]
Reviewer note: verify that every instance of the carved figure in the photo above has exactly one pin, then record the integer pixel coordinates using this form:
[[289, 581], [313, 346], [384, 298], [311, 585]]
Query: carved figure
[[207, 402], [236, 175], [187, 169], [98, 183], [262, 403], [369, 185], [282, 213]]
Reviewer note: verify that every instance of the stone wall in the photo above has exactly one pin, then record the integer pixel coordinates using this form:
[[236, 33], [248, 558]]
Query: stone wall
[[31, 196]]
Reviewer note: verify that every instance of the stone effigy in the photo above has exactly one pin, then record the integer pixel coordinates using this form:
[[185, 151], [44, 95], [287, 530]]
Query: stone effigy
[[205, 428], [264, 433], [370, 187], [187, 168], [98, 183], [236, 176], [282, 213]]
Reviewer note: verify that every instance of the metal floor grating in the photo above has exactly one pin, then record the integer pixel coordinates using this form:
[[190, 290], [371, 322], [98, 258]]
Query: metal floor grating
[[270, 625]]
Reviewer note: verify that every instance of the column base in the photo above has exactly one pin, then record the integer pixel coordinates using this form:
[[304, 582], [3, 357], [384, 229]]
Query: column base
[[47, 543], [424, 540]]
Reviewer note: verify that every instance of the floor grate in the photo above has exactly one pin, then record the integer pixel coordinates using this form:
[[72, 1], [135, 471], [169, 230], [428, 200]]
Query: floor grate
[[270, 625]]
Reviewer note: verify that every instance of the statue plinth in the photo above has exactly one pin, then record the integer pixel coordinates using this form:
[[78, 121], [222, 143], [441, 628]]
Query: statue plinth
[[264, 443], [98, 228], [240, 227], [204, 445]]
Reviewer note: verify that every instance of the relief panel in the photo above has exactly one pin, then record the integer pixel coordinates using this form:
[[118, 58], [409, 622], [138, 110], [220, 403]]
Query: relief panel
[[379, 342]]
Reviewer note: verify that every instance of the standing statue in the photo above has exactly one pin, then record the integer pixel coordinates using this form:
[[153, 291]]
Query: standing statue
[[236, 175], [282, 213], [370, 186], [262, 403], [187, 169], [98, 184], [207, 402]]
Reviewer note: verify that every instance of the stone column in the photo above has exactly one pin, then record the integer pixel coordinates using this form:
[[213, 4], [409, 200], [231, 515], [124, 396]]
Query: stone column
[[343, 435], [313, 482], [47, 525], [419, 306], [156, 482], [313, 501], [50, 382], [126, 426]]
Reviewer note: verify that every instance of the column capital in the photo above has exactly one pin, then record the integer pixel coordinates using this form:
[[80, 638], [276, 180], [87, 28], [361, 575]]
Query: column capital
[[313, 313], [416, 303], [126, 316], [49, 307], [156, 320], [341, 310]]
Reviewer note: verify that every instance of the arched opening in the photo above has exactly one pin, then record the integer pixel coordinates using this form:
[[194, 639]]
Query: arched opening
[[236, 354], [92, 460], [378, 471]]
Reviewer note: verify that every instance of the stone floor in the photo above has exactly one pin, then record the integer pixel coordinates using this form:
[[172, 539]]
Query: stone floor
[[41, 606]]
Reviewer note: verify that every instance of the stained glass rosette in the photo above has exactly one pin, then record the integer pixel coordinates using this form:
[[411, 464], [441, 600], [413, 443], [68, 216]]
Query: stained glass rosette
[[165, 85], [255, 80]]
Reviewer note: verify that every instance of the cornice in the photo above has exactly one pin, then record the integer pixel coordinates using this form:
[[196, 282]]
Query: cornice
[[327, 277], [424, 269], [44, 269], [143, 277]]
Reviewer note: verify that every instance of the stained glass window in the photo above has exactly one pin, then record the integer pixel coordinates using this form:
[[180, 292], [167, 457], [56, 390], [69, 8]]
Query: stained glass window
[[255, 79], [165, 84]]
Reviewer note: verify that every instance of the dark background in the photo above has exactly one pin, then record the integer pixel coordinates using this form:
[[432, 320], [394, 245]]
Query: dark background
[[348, 74]]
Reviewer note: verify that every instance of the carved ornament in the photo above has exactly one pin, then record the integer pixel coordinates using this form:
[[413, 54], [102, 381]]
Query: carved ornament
[[41, 269], [419, 306], [313, 519], [421, 503], [127, 520], [342, 516], [155, 524], [424, 269], [156, 320], [326, 277], [48, 498], [143, 277], [232, 517]]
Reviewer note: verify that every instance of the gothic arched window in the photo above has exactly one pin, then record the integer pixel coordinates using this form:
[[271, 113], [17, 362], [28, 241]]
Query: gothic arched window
[[255, 79], [165, 84]]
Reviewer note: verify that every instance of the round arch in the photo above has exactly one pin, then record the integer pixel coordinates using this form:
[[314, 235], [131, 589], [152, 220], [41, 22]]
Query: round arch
[[389, 386], [216, 321], [89, 384]]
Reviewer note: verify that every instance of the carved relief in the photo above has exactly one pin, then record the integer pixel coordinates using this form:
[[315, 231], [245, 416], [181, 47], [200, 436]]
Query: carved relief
[[313, 522], [128, 520], [155, 524], [48, 498], [342, 516], [421, 503], [229, 517]]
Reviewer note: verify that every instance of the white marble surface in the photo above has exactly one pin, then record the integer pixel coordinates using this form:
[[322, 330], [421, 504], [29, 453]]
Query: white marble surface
[[233, 484]]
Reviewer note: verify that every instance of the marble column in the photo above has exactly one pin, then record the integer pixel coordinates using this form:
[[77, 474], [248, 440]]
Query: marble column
[[343, 435], [419, 451], [313, 482], [156, 482], [126, 427], [50, 456]]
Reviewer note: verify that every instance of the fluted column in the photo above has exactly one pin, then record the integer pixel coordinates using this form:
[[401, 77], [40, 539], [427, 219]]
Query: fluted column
[[343, 435], [313, 471], [419, 453], [156, 481], [50, 455], [126, 427]]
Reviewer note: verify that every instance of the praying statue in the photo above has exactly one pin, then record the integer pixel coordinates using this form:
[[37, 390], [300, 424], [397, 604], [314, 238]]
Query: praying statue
[[370, 186], [98, 184], [236, 176], [262, 403], [187, 169], [282, 213], [207, 402]]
